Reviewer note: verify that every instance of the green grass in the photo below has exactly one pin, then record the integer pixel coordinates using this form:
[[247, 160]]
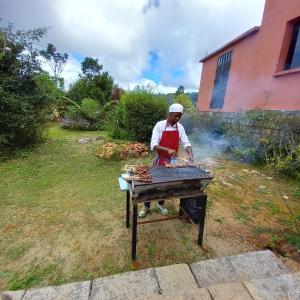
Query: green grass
[[62, 215]]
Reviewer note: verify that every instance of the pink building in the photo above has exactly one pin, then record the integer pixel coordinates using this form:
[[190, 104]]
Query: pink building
[[259, 69]]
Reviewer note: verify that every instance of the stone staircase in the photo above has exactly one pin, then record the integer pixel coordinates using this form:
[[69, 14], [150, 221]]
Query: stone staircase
[[254, 275]]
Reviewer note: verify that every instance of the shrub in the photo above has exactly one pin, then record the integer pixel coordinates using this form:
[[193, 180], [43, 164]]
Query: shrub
[[135, 115], [188, 122], [115, 122], [90, 109], [142, 111], [86, 116], [275, 140]]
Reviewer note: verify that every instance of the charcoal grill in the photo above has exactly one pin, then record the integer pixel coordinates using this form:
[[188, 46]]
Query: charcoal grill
[[183, 183]]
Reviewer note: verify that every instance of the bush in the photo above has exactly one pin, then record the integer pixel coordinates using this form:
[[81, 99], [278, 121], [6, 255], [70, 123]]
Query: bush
[[135, 115], [86, 116], [276, 141], [115, 122], [142, 111], [90, 109], [188, 122]]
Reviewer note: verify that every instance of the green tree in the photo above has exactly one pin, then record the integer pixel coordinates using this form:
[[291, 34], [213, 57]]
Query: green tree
[[179, 91], [92, 83], [188, 117], [90, 67], [25, 97], [185, 101], [56, 61]]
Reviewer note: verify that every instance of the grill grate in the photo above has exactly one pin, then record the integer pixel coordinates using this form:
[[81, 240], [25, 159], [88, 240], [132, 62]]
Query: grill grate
[[165, 175]]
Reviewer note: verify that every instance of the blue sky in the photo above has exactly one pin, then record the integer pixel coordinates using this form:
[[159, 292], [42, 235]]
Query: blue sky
[[137, 41]]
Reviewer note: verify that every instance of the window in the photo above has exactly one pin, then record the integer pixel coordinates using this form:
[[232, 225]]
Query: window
[[293, 56], [221, 80]]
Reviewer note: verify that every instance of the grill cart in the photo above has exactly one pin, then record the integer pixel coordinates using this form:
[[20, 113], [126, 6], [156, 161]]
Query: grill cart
[[187, 183]]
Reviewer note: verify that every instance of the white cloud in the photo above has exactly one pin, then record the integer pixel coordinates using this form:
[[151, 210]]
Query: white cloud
[[121, 35]]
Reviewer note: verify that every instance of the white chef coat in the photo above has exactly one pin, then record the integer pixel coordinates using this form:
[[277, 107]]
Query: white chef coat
[[162, 126]]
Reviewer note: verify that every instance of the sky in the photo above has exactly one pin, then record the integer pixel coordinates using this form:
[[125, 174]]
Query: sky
[[139, 42]]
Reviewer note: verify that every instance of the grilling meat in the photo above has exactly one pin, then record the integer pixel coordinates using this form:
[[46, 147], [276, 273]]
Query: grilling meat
[[180, 165], [143, 172]]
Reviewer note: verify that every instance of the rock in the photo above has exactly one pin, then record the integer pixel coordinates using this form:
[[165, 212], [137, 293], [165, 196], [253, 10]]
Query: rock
[[254, 172], [86, 140]]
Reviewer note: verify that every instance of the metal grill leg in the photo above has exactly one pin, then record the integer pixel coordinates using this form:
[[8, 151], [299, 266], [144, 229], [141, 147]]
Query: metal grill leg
[[202, 200], [127, 209], [134, 232]]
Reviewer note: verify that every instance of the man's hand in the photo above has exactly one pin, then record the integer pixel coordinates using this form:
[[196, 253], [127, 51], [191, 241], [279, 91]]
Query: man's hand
[[191, 158], [189, 151]]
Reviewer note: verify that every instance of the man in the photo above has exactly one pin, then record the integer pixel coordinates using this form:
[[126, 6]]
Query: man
[[166, 136]]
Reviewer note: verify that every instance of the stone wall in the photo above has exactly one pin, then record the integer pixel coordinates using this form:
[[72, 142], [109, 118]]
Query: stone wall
[[254, 121]]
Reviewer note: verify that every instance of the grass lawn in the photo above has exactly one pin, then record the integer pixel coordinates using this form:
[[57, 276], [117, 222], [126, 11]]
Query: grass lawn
[[62, 215]]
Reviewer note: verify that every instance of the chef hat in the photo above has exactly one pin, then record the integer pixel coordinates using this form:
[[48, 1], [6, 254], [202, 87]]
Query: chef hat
[[176, 107]]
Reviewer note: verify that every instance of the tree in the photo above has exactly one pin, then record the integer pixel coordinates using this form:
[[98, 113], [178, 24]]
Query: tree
[[25, 97], [180, 90], [117, 93], [90, 67], [185, 101], [56, 61], [92, 83]]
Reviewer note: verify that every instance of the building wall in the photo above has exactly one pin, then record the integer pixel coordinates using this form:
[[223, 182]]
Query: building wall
[[256, 80]]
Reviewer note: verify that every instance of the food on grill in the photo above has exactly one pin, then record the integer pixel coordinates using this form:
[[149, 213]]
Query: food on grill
[[143, 173], [180, 165]]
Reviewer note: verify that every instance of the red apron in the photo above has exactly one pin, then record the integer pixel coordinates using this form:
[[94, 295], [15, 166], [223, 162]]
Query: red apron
[[169, 139]]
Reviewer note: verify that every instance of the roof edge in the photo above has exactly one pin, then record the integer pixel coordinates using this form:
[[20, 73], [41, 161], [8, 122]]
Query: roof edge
[[241, 37]]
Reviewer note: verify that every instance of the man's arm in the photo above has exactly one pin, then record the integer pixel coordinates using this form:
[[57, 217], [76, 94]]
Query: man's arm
[[186, 143], [170, 151], [189, 151]]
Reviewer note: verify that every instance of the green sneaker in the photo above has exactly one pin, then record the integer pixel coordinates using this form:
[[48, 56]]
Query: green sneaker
[[143, 212], [162, 209]]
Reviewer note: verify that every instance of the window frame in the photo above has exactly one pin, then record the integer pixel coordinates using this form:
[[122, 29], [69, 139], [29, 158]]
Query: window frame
[[293, 49]]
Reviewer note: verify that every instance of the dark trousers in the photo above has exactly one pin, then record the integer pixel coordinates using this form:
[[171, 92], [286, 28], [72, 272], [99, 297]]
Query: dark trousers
[[147, 204]]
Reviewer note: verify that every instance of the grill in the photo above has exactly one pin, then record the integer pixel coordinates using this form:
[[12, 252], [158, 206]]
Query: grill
[[185, 183], [165, 175], [170, 182]]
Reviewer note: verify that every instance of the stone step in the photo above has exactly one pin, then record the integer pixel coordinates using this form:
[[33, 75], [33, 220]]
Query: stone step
[[221, 278], [132, 285], [238, 268], [74, 291], [281, 287]]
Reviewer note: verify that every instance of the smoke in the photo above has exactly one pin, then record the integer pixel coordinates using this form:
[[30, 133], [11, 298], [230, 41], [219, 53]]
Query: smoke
[[208, 147]]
